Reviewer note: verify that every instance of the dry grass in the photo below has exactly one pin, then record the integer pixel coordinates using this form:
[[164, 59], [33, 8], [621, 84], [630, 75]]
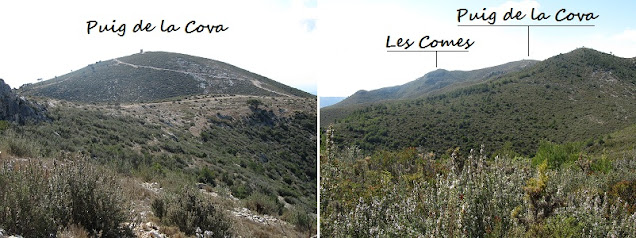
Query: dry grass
[[172, 231], [246, 228], [73, 231]]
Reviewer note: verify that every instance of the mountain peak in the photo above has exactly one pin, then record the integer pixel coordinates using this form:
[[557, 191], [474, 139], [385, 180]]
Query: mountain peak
[[433, 82], [152, 76], [582, 53]]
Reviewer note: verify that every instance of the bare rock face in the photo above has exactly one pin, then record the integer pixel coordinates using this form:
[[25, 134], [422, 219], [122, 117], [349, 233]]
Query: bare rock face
[[17, 109]]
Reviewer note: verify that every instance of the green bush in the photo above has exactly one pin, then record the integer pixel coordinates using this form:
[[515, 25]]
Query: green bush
[[207, 176], [626, 190], [378, 196], [241, 190], [603, 165], [158, 208], [301, 220], [263, 204], [37, 201], [561, 227], [3, 125], [23, 194], [189, 210], [95, 198], [556, 154], [254, 103], [21, 147]]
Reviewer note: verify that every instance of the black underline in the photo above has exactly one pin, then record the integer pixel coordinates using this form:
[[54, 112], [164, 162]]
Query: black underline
[[426, 51], [531, 25]]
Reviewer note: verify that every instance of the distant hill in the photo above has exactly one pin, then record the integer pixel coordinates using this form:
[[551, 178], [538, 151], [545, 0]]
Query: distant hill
[[328, 101], [435, 82], [153, 76], [17, 109], [568, 97]]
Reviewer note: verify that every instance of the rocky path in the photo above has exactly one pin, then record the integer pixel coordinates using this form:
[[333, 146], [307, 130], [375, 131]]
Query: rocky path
[[200, 76]]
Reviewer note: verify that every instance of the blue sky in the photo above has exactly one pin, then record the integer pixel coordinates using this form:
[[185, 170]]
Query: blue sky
[[363, 63], [333, 47]]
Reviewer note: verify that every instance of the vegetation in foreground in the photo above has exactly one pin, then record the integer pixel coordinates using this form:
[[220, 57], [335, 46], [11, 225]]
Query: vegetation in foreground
[[564, 190], [114, 169], [38, 199]]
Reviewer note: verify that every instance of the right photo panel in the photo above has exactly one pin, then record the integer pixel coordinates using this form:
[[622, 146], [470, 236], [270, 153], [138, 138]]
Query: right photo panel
[[477, 119]]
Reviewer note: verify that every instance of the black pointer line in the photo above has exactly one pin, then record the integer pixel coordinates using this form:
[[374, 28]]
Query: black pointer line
[[538, 25], [561, 25], [428, 51]]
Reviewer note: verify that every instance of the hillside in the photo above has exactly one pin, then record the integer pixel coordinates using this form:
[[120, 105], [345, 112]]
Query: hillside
[[153, 76], [548, 151], [156, 154], [253, 157], [573, 96], [435, 82], [432, 82]]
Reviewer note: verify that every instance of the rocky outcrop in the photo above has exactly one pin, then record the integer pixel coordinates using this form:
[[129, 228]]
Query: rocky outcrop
[[18, 109]]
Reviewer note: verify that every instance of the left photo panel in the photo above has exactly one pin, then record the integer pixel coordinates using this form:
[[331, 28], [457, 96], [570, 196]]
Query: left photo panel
[[196, 119]]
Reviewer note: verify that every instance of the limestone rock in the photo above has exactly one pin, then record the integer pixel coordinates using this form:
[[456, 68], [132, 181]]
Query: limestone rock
[[18, 109]]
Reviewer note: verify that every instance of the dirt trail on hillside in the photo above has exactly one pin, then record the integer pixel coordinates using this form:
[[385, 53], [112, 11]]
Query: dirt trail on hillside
[[199, 76]]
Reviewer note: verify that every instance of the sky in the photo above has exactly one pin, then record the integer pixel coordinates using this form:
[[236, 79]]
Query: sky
[[354, 34], [329, 47], [44, 39]]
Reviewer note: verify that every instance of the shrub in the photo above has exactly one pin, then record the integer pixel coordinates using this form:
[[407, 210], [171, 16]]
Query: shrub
[[603, 165], [20, 147], [301, 220], [555, 154], [254, 103], [207, 176], [38, 201], [626, 190], [263, 204], [500, 197], [3, 125], [158, 208], [95, 198], [23, 195], [561, 226], [189, 210], [241, 190]]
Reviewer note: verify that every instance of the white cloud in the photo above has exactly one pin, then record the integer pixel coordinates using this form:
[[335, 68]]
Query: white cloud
[[620, 44], [628, 36]]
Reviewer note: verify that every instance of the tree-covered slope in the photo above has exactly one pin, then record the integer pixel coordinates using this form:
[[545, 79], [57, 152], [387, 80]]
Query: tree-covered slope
[[581, 94], [432, 82]]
